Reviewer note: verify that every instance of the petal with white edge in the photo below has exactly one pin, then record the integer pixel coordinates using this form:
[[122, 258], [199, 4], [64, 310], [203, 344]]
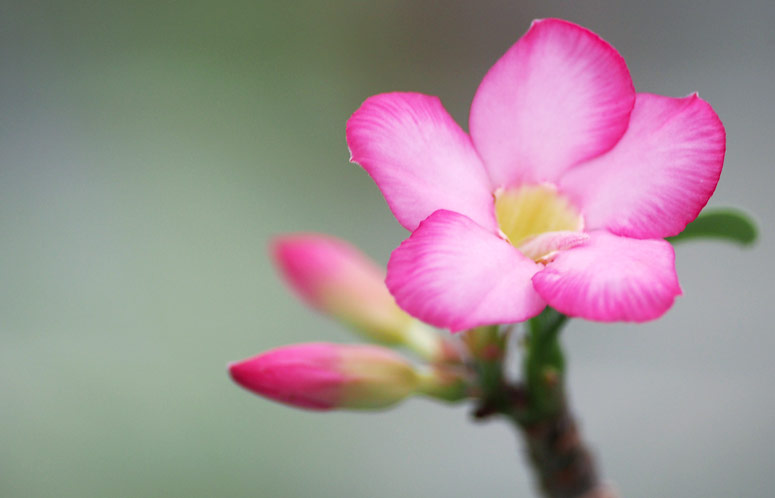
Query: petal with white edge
[[419, 158]]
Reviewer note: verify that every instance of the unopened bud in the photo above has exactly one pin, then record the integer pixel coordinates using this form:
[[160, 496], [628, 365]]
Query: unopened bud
[[337, 279], [323, 376]]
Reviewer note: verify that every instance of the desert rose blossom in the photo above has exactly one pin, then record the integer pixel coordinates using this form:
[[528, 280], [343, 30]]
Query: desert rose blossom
[[332, 276], [324, 376], [561, 195]]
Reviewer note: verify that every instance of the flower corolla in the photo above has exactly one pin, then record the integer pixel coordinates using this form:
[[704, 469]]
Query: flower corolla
[[561, 195]]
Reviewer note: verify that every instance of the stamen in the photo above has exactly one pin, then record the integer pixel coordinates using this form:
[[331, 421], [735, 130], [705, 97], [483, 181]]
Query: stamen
[[542, 248]]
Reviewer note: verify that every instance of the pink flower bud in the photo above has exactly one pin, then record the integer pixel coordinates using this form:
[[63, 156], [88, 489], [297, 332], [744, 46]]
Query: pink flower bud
[[334, 277], [323, 376]]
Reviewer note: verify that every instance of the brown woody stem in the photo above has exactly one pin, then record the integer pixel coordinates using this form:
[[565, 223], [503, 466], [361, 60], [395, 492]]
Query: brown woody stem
[[538, 407], [562, 462]]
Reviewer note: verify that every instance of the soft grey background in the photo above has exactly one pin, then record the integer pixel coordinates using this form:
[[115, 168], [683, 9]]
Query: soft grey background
[[148, 150]]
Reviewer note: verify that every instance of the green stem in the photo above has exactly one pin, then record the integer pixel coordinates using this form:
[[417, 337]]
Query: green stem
[[544, 365], [538, 408]]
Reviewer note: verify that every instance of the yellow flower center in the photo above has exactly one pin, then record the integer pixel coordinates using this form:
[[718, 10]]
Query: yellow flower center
[[525, 212]]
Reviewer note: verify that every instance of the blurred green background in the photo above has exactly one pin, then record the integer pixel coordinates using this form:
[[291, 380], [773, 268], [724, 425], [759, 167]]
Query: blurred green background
[[149, 150]]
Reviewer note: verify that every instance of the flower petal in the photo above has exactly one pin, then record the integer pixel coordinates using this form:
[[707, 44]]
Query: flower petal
[[659, 176], [559, 96], [452, 273], [420, 158], [611, 278]]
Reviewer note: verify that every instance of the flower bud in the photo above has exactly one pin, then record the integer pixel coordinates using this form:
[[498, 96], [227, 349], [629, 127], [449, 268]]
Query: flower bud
[[334, 277], [323, 376]]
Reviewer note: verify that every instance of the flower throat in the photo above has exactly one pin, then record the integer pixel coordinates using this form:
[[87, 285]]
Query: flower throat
[[523, 213]]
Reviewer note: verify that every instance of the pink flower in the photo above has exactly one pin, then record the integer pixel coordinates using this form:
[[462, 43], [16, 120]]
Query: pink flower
[[561, 195], [322, 376]]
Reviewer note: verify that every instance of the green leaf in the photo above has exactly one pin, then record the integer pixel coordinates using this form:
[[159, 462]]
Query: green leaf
[[724, 223]]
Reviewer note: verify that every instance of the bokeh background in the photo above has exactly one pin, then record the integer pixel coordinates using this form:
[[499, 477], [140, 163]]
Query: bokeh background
[[149, 150]]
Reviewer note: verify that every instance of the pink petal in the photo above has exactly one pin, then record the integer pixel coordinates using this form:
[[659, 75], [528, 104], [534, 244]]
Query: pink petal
[[659, 176], [452, 273], [559, 96], [611, 278], [420, 158]]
